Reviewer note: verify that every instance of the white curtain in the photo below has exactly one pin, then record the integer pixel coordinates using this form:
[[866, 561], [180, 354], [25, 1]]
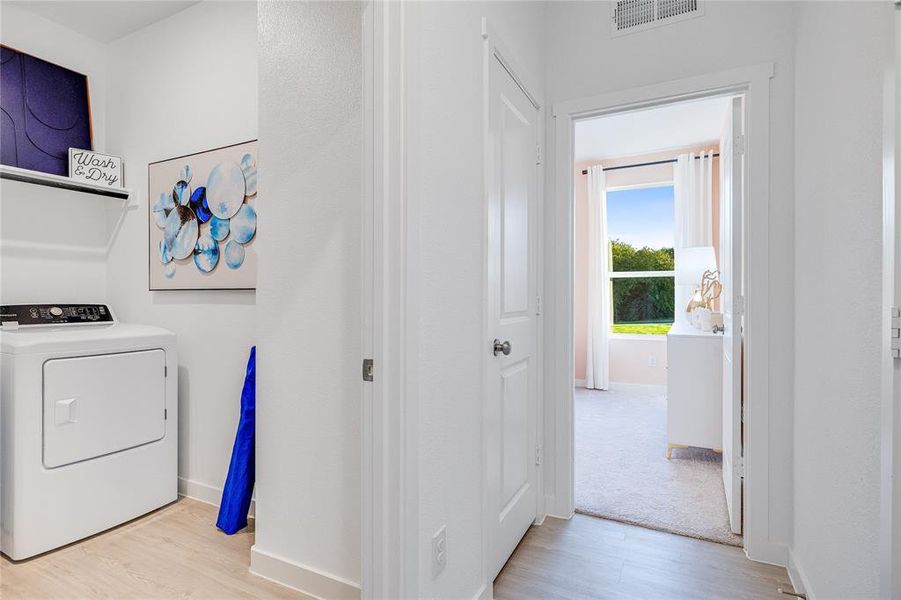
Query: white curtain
[[693, 191], [597, 370]]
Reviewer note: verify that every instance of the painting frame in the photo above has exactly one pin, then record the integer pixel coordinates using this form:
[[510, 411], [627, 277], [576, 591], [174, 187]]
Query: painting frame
[[208, 281]]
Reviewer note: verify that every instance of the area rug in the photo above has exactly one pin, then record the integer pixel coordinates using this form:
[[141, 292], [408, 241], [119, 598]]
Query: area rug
[[622, 472]]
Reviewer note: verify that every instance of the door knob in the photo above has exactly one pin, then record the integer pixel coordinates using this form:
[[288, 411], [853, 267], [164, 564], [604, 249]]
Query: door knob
[[500, 347]]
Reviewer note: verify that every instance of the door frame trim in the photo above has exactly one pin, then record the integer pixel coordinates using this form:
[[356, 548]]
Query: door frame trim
[[890, 450], [495, 49], [753, 81], [389, 415]]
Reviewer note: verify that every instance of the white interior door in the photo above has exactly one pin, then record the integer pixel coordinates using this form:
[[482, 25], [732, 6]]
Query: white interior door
[[732, 189], [510, 391]]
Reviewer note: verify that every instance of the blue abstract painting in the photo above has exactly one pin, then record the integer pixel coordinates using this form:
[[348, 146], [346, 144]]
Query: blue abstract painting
[[44, 111], [202, 207]]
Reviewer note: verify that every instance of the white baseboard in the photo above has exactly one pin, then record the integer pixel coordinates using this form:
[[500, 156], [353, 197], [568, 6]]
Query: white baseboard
[[579, 383], [767, 552], [552, 510], [205, 493], [798, 578], [486, 592], [304, 579]]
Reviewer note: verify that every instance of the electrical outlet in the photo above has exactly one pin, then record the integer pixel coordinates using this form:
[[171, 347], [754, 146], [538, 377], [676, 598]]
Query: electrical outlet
[[439, 551], [652, 360]]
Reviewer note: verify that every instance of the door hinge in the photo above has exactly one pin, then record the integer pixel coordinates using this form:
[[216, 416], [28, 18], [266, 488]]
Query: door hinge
[[538, 154], [165, 414], [538, 455], [739, 305], [367, 369], [895, 331], [740, 145], [740, 466], [538, 305], [165, 370]]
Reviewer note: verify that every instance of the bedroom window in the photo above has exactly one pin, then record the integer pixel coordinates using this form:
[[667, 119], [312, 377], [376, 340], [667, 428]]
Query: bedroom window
[[640, 223]]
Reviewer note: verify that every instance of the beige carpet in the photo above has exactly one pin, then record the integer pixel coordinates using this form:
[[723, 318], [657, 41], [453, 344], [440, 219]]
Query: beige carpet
[[622, 472]]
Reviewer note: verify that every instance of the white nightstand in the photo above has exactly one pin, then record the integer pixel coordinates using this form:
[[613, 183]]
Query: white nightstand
[[694, 389]]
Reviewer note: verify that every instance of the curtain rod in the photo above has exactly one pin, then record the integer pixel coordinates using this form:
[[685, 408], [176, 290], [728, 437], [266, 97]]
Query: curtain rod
[[645, 164]]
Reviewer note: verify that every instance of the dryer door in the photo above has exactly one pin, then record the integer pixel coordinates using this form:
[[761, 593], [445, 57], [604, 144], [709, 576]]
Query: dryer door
[[96, 405]]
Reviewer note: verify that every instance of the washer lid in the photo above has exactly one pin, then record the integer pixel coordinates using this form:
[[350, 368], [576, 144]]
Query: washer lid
[[84, 339]]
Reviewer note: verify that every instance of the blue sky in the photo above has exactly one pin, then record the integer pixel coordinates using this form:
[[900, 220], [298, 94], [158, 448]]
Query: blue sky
[[641, 217]]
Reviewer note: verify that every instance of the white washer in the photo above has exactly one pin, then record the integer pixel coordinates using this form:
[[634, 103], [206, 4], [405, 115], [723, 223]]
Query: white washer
[[88, 423]]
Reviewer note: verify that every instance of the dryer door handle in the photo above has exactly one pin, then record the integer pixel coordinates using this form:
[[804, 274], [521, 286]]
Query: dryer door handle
[[66, 411]]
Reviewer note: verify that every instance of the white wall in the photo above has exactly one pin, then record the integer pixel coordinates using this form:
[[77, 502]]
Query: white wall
[[841, 53], [183, 85], [71, 260], [445, 130], [309, 296], [583, 60], [53, 244]]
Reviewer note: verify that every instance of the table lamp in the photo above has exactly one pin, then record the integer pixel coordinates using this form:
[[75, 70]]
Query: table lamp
[[696, 267]]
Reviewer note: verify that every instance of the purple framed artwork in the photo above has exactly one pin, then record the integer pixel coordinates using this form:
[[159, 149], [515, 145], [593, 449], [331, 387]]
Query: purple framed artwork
[[44, 111]]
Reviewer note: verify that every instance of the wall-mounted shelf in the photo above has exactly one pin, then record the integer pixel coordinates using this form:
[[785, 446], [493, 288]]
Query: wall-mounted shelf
[[57, 181]]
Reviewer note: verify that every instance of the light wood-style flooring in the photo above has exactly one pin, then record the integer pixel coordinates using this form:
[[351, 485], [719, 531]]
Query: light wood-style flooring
[[587, 557], [175, 552]]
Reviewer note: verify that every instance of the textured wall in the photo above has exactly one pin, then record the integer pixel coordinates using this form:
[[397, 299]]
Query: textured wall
[[841, 53], [309, 291]]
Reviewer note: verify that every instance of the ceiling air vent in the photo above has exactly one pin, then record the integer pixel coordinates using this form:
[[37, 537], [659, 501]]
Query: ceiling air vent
[[630, 16]]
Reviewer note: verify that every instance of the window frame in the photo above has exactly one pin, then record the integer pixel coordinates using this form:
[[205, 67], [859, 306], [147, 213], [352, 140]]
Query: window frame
[[611, 275]]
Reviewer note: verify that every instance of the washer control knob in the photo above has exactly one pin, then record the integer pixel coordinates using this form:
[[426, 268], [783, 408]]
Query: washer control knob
[[56, 311]]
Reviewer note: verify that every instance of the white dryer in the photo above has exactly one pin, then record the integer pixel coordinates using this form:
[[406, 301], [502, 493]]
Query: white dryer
[[88, 423]]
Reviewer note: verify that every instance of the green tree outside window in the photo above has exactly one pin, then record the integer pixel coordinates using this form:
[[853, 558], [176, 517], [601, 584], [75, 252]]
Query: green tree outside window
[[642, 305]]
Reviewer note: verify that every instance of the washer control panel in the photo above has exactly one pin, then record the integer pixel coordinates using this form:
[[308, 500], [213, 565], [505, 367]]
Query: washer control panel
[[54, 314]]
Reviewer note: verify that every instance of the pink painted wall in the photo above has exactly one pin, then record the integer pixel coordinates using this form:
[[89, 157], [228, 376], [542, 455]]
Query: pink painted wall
[[628, 356], [638, 359]]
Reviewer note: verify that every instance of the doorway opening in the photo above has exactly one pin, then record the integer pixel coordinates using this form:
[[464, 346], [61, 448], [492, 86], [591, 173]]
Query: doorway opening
[[655, 231]]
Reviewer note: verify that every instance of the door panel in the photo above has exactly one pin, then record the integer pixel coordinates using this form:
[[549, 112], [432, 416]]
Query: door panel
[[517, 152], [510, 391], [514, 438], [732, 165]]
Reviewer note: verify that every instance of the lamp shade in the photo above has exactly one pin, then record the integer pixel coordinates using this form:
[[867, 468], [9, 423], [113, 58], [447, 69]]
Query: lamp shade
[[691, 263]]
